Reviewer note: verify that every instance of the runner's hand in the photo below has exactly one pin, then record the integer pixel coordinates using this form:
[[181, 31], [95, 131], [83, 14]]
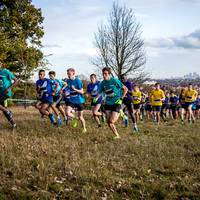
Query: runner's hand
[[73, 88]]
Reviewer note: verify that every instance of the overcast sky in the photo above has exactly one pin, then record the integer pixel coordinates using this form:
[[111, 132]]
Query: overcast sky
[[171, 30]]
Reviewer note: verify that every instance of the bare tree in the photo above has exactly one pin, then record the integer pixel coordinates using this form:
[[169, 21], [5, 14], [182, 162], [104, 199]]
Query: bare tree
[[119, 44]]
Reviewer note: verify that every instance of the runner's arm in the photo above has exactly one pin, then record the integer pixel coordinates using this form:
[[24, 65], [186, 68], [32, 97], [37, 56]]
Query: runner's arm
[[80, 91], [64, 86], [125, 90], [16, 81]]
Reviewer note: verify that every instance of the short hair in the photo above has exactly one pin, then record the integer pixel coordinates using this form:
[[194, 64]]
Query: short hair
[[41, 71], [190, 84], [108, 69], [71, 70], [52, 73], [124, 76], [93, 75], [157, 84]]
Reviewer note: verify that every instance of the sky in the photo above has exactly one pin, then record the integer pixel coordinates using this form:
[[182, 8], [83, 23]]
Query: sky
[[171, 31]]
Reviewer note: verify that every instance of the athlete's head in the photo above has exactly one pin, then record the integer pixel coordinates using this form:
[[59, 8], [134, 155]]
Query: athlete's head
[[93, 78], [157, 86], [71, 73], [41, 74], [135, 87], [106, 73], [124, 78], [190, 86], [52, 75], [172, 93], [183, 90], [167, 94]]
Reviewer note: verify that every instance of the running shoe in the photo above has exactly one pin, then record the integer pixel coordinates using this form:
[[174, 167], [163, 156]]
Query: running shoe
[[74, 123], [84, 130], [135, 129], [117, 137]]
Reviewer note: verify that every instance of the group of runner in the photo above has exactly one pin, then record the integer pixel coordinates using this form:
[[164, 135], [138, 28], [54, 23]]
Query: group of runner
[[106, 98], [110, 99]]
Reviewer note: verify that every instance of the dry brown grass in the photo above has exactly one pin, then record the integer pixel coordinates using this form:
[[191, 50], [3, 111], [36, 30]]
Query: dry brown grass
[[38, 161]]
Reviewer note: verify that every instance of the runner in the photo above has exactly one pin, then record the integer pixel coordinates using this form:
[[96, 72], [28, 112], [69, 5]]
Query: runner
[[174, 101], [44, 88], [93, 91], [158, 97], [183, 105], [66, 98], [137, 97], [190, 98], [165, 108], [142, 105], [76, 99], [112, 88], [7, 79], [148, 107], [57, 98], [128, 101], [197, 111]]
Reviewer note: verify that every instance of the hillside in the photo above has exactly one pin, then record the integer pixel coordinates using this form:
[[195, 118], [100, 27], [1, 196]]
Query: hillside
[[39, 161]]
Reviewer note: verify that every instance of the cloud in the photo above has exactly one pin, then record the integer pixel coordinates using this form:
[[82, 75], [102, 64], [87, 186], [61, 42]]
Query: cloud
[[52, 46], [190, 41]]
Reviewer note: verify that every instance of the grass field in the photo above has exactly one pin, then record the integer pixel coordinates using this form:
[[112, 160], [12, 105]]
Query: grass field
[[38, 161]]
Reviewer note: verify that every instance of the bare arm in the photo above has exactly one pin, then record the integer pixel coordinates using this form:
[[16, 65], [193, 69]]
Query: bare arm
[[81, 91], [125, 90]]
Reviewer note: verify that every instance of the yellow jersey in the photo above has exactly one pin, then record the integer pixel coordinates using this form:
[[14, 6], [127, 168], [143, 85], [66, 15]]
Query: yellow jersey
[[190, 95], [137, 96], [157, 96]]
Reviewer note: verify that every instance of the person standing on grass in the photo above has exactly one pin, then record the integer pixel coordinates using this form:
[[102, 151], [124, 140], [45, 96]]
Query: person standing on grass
[[115, 92], [45, 88], [128, 101], [190, 97], [57, 98], [157, 96], [93, 91], [76, 99], [7, 80]]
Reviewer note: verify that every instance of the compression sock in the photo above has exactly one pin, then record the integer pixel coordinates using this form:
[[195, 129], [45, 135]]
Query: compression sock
[[52, 118]]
